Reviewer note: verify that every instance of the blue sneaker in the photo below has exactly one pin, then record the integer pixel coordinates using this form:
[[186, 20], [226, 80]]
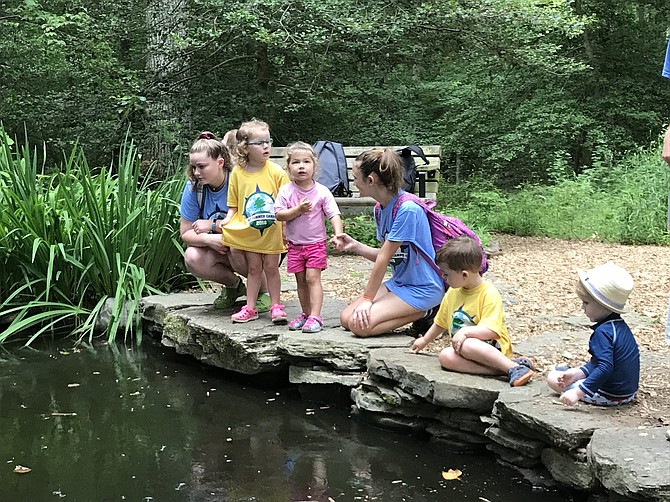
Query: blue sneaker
[[519, 375], [524, 361]]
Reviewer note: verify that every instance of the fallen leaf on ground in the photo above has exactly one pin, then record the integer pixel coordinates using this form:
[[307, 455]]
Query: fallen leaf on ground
[[452, 474]]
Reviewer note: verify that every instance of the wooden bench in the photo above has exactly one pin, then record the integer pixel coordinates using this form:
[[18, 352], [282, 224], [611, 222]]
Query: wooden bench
[[427, 176]]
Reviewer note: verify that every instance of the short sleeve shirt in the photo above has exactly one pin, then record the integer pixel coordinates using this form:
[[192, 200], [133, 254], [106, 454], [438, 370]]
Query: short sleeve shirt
[[215, 203], [254, 227], [414, 280], [480, 306], [308, 228]]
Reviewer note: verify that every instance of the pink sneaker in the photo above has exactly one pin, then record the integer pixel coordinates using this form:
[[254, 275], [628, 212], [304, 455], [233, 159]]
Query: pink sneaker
[[246, 314], [278, 314], [298, 322]]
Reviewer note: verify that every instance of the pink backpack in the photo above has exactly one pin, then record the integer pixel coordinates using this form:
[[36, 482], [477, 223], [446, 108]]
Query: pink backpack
[[442, 228]]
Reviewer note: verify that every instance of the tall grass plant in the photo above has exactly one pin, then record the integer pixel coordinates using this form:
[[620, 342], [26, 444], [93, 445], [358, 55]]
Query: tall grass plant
[[72, 238]]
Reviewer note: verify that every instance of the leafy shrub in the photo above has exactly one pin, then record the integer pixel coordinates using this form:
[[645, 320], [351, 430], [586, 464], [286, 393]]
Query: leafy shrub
[[625, 202]]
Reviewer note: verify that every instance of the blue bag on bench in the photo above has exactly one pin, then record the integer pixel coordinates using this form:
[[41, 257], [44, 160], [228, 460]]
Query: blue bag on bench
[[332, 166]]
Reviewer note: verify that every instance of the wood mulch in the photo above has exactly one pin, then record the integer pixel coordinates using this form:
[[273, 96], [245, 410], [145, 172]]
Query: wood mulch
[[541, 274]]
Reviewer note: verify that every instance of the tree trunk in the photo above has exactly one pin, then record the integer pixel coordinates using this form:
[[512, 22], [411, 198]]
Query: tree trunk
[[166, 106]]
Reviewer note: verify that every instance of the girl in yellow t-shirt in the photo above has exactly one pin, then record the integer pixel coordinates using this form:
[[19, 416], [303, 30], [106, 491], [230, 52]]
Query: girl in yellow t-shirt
[[250, 225]]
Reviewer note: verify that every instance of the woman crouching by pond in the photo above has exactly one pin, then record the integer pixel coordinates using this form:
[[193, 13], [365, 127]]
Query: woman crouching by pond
[[204, 205], [414, 288]]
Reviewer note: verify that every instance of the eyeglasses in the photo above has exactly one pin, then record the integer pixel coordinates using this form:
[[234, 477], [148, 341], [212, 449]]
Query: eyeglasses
[[261, 142]]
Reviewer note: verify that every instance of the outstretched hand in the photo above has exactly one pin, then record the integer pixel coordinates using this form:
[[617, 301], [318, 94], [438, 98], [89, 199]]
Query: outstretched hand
[[666, 147], [343, 242], [419, 344]]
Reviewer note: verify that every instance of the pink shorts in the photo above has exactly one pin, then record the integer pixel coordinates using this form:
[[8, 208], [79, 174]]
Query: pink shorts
[[303, 256]]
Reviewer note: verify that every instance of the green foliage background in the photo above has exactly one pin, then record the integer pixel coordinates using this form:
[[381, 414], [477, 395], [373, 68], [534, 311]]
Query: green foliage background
[[507, 88]]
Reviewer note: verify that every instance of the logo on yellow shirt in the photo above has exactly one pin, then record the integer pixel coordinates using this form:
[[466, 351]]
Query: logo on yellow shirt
[[460, 319], [259, 210]]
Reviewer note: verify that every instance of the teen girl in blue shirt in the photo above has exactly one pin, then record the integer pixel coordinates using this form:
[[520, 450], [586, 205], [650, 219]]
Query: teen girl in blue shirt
[[414, 287]]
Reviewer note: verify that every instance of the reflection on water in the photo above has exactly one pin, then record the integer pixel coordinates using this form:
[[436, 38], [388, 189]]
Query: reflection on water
[[102, 424]]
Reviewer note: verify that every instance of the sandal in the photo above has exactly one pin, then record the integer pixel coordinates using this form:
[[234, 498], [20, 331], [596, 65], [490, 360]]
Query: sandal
[[246, 314]]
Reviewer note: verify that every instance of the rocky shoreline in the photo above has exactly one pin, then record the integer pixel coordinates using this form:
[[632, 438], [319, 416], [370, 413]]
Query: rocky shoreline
[[582, 449]]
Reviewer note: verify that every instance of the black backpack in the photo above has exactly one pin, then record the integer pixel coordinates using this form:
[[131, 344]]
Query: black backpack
[[333, 167], [409, 165]]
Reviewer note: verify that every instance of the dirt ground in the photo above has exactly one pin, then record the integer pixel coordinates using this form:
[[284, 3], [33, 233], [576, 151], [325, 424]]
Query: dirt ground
[[541, 275]]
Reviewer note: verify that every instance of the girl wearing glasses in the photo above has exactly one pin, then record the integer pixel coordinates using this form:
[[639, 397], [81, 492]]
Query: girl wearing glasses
[[250, 225]]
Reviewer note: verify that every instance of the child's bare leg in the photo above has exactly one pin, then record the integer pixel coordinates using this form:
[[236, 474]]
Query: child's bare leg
[[255, 272], [271, 269], [315, 288], [238, 261], [476, 357], [387, 313], [303, 291], [486, 354], [452, 361]]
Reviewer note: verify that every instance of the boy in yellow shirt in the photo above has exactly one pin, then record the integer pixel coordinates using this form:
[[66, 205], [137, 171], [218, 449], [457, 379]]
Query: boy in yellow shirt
[[472, 312]]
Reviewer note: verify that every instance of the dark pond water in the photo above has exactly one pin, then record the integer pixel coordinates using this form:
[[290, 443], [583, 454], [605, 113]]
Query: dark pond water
[[100, 424]]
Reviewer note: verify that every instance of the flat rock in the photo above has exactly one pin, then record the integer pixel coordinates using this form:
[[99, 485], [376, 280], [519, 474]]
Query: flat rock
[[336, 347], [209, 335], [547, 345], [320, 375], [421, 375], [188, 323], [155, 307], [632, 462], [535, 411]]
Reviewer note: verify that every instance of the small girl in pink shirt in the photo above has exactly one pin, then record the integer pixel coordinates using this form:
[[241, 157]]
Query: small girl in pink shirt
[[302, 204]]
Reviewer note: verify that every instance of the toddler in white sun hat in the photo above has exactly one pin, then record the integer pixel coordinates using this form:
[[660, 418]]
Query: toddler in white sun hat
[[612, 375]]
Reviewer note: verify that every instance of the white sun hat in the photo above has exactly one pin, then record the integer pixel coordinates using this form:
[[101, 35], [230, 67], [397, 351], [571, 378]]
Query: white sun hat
[[608, 284]]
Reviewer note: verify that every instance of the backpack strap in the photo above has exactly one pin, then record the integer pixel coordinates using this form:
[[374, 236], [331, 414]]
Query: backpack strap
[[405, 196], [200, 192], [402, 198]]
